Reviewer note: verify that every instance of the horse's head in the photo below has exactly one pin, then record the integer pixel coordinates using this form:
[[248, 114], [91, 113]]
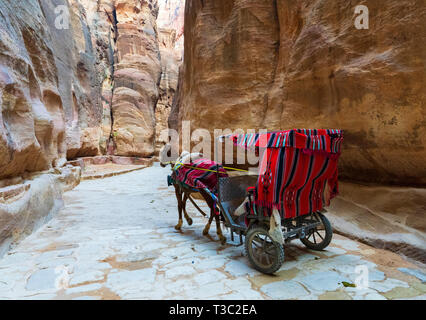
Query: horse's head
[[185, 157]]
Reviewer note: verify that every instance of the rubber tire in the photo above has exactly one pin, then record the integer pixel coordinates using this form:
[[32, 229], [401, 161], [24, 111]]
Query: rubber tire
[[278, 247], [328, 235]]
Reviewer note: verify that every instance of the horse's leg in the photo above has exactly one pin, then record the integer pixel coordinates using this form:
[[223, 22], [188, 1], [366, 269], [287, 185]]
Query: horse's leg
[[222, 238], [187, 217], [207, 227], [179, 200], [210, 204]]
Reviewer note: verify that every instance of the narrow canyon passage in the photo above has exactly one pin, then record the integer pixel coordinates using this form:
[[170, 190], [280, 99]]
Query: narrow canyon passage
[[115, 239], [93, 93]]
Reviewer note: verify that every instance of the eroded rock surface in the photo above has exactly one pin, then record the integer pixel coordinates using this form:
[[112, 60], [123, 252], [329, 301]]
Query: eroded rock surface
[[170, 26], [280, 65], [49, 104], [386, 217], [136, 78], [28, 203], [80, 78]]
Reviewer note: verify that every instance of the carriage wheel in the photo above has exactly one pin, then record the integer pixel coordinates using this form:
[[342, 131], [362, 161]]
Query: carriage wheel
[[320, 237], [264, 254]]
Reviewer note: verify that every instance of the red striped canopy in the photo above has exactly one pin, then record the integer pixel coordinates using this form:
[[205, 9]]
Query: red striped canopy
[[327, 140], [298, 169]]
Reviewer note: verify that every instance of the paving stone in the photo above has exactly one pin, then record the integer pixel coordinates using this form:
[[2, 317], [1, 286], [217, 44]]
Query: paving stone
[[211, 263], [323, 281], [65, 253], [232, 296], [387, 285], [179, 272], [399, 292], [250, 295], [240, 284], [335, 295], [138, 256], [376, 275], [83, 266], [285, 290], [182, 262], [16, 259], [332, 251], [346, 244], [68, 262], [209, 277], [178, 286], [85, 288], [42, 280], [42, 296], [370, 296], [238, 268], [87, 298], [177, 252], [414, 272], [422, 297], [122, 278], [208, 291], [154, 246], [90, 276], [288, 265], [163, 261]]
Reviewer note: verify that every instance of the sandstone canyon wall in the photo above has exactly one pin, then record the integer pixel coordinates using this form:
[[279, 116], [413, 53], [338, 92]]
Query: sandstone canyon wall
[[279, 64], [87, 87], [49, 100], [170, 24], [78, 78], [136, 78]]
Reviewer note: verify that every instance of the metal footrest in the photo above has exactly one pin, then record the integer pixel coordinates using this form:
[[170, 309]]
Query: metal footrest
[[300, 231]]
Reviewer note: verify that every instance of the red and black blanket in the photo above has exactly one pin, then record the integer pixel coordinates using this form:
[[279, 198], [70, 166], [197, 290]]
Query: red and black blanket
[[199, 174], [298, 169]]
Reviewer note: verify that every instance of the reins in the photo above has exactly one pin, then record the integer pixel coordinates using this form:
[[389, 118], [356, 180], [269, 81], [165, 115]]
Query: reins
[[196, 206], [202, 169]]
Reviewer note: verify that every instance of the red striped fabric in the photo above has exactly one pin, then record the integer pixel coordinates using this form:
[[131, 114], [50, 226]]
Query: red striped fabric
[[328, 140], [296, 168], [193, 175]]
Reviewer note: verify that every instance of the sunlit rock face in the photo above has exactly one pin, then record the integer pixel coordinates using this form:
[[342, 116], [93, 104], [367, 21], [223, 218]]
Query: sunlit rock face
[[171, 16], [280, 65], [170, 32], [171, 59], [136, 78], [80, 78], [100, 19], [49, 99]]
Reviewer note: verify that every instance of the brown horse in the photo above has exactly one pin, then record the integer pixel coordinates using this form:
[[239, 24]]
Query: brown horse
[[183, 193]]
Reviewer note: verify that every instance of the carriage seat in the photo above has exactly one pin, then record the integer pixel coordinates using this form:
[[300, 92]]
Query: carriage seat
[[232, 191]]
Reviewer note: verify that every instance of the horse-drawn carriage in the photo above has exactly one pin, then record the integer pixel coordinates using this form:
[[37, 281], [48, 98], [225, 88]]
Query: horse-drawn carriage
[[296, 178]]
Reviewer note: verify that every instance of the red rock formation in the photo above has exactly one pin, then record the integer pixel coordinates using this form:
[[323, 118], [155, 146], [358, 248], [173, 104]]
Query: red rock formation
[[136, 78], [170, 23], [87, 87], [171, 17], [284, 64]]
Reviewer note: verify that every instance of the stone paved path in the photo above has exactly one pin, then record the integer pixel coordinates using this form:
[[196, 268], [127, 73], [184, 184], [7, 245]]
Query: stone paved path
[[115, 239]]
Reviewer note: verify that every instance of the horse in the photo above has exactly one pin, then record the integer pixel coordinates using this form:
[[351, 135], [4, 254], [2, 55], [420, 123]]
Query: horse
[[183, 193]]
